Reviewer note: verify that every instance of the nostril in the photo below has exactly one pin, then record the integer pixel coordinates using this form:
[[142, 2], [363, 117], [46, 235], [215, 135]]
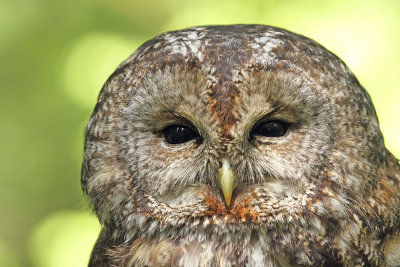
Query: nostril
[[220, 164]]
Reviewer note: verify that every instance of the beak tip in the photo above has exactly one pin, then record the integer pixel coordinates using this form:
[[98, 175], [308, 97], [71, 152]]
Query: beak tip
[[227, 200]]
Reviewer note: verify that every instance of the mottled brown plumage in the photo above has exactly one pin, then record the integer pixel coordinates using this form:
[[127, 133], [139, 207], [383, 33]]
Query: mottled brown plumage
[[321, 189]]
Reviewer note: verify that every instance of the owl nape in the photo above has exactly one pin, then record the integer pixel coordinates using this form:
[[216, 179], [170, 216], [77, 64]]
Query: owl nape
[[241, 145]]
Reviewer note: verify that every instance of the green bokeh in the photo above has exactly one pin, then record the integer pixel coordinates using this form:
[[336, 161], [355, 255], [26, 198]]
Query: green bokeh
[[55, 55], [63, 239]]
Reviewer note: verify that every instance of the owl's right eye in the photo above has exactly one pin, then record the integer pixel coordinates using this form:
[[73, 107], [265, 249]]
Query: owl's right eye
[[178, 134]]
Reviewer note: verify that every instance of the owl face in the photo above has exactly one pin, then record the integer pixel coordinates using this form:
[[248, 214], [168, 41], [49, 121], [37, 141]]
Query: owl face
[[205, 98], [235, 132], [176, 135]]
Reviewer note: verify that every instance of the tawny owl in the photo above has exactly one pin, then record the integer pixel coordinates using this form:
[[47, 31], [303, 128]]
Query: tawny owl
[[242, 145]]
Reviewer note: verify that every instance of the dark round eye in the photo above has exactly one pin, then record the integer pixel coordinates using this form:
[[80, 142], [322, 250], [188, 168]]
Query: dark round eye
[[272, 128], [178, 134]]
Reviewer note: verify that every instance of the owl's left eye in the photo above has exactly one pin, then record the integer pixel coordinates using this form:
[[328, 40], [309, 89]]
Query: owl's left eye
[[273, 128], [178, 134]]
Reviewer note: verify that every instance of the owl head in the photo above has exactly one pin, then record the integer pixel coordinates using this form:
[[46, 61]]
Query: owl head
[[229, 130]]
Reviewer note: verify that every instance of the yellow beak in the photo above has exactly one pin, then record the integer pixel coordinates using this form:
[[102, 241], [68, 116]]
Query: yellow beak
[[227, 178]]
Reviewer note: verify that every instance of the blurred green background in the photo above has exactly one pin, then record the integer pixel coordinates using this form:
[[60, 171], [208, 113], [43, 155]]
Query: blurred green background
[[55, 55]]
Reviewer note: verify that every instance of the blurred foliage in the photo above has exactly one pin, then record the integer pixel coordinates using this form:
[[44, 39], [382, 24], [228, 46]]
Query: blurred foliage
[[56, 54], [63, 239]]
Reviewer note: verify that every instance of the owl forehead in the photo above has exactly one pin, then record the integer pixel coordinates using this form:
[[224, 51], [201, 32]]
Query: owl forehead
[[227, 50], [233, 47], [222, 52], [225, 47]]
